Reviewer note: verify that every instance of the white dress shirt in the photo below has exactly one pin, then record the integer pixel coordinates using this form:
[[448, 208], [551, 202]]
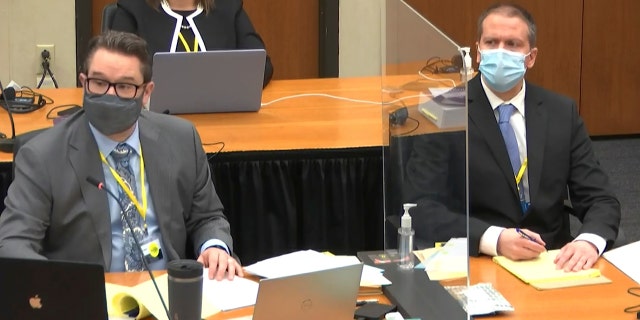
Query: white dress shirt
[[489, 240]]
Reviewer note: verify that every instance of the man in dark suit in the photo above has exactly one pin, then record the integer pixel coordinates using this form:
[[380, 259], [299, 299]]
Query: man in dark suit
[[517, 187], [53, 212]]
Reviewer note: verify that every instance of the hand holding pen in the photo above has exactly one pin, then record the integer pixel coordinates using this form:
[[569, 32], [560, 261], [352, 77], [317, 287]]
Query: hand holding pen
[[530, 237], [520, 244]]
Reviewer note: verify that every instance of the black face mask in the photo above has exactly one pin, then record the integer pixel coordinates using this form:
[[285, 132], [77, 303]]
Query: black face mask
[[111, 114]]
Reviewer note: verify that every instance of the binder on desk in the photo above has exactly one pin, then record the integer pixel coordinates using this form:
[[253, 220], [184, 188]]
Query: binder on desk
[[541, 273]]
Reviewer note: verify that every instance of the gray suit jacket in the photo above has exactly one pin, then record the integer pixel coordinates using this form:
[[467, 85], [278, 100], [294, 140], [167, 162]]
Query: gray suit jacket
[[53, 212]]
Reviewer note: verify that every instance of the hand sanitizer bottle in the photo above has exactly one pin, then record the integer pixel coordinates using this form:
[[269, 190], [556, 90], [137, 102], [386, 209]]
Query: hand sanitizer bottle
[[405, 239]]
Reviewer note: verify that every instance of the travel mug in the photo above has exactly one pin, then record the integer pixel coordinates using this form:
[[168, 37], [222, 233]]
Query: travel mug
[[185, 289]]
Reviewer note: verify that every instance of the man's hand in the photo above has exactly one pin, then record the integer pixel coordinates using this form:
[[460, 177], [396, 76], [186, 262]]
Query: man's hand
[[219, 262], [515, 246], [577, 255]]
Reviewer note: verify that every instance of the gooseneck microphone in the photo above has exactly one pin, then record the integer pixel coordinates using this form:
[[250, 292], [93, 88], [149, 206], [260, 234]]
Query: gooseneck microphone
[[96, 183], [6, 144]]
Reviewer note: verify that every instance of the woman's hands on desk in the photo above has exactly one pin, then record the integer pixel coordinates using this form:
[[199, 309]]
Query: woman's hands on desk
[[520, 244], [219, 263]]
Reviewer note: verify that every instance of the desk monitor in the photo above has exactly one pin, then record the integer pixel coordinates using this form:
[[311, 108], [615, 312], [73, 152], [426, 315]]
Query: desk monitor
[[47, 289], [208, 81], [319, 295]]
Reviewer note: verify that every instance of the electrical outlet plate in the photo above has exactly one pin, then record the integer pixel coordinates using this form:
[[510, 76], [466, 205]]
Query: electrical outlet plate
[[52, 56], [47, 83]]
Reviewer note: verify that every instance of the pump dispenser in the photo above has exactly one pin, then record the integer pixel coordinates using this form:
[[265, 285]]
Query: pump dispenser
[[405, 238], [466, 72]]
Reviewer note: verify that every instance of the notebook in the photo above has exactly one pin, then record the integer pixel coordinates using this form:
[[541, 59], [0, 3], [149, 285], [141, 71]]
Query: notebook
[[208, 81], [541, 273], [325, 294], [47, 289]]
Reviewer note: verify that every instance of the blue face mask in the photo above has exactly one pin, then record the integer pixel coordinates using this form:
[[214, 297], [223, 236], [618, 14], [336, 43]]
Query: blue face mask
[[502, 69]]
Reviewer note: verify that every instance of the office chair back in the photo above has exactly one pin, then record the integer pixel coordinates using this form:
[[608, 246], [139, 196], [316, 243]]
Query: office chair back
[[108, 13]]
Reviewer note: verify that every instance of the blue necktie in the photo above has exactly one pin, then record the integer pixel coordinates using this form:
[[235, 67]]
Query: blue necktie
[[132, 259], [509, 136], [505, 111]]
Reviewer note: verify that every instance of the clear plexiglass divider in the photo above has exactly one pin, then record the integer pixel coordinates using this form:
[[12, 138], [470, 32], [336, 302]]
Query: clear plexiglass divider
[[424, 109]]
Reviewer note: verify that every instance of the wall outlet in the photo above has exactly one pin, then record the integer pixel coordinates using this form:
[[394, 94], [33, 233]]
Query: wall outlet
[[52, 54], [47, 83]]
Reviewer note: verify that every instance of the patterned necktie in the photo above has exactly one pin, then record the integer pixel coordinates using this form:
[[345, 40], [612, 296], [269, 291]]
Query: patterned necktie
[[505, 111], [132, 259], [509, 136]]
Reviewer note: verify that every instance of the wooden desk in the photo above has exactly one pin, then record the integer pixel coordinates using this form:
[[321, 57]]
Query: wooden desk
[[605, 301], [305, 120], [133, 278]]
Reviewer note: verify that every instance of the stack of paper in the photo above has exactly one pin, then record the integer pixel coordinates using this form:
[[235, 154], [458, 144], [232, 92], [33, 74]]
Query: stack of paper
[[627, 259], [541, 273], [216, 296], [306, 261], [447, 262]]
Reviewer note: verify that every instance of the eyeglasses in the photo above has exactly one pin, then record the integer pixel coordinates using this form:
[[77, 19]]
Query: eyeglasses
[[123, 90]]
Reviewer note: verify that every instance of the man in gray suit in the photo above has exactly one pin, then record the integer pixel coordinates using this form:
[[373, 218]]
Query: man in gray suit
[[53, 212]]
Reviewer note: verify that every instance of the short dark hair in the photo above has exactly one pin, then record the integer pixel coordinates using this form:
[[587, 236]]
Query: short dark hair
[[207, 5], [121, 42], [510, 10]]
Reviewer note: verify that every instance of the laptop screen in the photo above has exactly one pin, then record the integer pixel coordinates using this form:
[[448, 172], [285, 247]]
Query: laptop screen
[[326, 294], [47, 289], [208, 81]]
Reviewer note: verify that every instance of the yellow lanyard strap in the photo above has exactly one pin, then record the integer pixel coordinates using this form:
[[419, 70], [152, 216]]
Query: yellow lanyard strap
[[142, 210], [186, 45], [523, 167]]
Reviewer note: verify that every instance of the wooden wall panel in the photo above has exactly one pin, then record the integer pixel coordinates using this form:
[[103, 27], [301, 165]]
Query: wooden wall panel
[[289, 29], [97, 6], [559, 35], [611, 67]]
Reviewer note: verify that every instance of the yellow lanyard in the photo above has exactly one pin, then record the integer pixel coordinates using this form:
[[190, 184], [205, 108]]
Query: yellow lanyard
[[141, 209], [186, 45], [523, 167]]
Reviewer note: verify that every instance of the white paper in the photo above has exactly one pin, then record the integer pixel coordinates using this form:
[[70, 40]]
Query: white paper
[[229, 294], [309, 261], [298, 262], [627, 259]]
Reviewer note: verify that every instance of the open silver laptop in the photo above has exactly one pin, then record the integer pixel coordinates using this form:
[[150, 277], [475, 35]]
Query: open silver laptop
[[46, 289], [208, 81], [326, 294]]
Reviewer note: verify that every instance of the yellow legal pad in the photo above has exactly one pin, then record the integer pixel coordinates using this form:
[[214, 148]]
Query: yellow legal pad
[[541, 273]]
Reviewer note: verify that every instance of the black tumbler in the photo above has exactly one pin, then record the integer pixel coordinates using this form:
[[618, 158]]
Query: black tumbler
[[185, 289]]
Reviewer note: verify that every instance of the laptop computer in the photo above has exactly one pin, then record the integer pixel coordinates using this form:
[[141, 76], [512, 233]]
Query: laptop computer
[[326, 294], [47, 289], [208, 81]]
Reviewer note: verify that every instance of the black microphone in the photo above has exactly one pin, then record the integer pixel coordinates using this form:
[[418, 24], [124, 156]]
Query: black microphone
[[96, 183], [6, 144]]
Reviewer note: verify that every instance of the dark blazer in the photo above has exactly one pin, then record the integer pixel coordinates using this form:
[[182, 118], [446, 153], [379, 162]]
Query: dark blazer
[[53, 212], [559, 154], [227, 26]]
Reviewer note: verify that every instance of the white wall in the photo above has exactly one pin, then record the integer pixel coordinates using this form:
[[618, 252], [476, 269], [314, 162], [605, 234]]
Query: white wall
[[26, 23], [360, 37]]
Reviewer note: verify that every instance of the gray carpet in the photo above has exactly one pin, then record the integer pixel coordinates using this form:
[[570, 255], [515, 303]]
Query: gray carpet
[[620, 158]]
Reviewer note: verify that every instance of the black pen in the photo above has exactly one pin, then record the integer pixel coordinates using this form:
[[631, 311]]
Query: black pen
[[526, 236]]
